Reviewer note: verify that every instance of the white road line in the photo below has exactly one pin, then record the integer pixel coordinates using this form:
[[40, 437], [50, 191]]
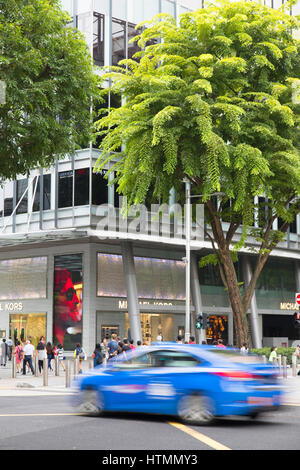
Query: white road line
[[200, 437]]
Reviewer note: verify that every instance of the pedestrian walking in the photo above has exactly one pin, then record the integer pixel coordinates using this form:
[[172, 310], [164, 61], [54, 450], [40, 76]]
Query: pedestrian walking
[[244, 349], [139, 343], [61, 356], [273, 354], [179, 339], [3, 352], [192, 340], [10, 346], [19, 355], [50, 354], [42, 354], [98, 355], [104, 350], [112, 346], [131, 345], [28, 356], [80, 353]]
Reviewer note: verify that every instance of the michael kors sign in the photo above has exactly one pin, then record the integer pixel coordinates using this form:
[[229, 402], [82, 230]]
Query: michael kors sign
[[289, 306], [123, 303], [11, 307]]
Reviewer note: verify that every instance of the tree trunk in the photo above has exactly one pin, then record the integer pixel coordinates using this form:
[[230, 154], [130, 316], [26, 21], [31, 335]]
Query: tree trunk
[[239, 315]]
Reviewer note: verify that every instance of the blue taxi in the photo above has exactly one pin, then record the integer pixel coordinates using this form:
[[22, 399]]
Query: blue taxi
[[196, 383]]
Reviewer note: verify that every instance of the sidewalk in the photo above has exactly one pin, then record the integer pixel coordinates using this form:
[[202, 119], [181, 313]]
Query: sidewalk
[[28, 382], [30, 385]]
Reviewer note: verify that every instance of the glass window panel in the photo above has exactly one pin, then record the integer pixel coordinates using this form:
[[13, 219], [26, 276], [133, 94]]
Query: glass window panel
[[277, 275], [21, 188], [1, 201], [84, 24], [24, 278], [98, 39], [132, 47], [82, 192], [8, 206], [118, 40], [46, 193], [99, 188], [65, 189], [293, 226]]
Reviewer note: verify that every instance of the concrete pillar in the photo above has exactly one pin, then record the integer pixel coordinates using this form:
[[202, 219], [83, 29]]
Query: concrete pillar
[[132, 294], [256, 336], [196, 296]]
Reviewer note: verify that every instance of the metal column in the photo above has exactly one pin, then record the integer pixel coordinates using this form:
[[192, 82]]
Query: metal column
[[132, 294], [256, 336], [196, 294]]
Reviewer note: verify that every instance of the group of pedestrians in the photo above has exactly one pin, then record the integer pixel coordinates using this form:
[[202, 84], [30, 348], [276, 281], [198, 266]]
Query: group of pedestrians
[[110, 348], [25, 354]]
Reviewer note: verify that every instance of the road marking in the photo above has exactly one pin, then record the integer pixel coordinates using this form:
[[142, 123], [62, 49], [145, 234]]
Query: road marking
[[200, 437], [40, 414]]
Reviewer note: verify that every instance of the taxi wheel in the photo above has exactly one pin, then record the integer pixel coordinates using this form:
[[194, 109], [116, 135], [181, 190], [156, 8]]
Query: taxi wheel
[[196, 409], [92, 403]]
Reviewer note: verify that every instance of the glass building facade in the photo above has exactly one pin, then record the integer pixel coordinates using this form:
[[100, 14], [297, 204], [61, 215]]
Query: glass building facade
[[70, 284]]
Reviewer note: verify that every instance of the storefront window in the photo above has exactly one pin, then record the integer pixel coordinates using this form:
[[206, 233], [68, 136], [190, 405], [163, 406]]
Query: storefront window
[[280, 326], [155, 326], [67, 310], [27, 326], [217, 328]]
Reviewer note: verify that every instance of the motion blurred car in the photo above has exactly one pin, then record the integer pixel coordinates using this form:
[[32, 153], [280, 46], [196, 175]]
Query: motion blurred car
[[196, 383]]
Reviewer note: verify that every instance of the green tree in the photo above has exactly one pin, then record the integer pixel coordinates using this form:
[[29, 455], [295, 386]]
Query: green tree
[[49, 85], [212, 100]]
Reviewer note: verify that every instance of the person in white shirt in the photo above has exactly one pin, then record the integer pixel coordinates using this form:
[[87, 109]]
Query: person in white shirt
[[28, 355]]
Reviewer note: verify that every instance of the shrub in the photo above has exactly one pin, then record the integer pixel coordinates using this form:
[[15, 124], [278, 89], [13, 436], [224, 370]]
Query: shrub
[[288, 352]]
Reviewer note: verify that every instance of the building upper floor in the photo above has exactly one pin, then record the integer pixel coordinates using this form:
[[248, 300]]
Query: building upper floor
[[109, 25], [70, 196]]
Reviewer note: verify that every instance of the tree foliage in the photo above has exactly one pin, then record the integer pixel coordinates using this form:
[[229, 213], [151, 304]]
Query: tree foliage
[[49, 85], [213, 99]]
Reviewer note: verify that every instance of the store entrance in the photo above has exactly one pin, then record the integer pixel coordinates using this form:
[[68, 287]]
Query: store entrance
[[28, 326], [155, 326]]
